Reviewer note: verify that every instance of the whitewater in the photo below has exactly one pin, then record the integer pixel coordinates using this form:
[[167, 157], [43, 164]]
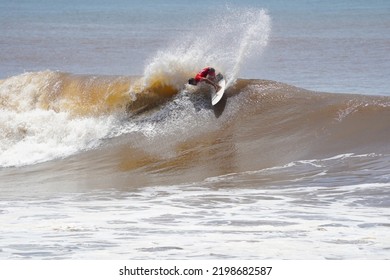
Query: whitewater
[[97, 164]]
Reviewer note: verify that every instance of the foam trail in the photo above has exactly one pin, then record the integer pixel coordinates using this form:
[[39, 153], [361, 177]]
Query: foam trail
[[225, 44]]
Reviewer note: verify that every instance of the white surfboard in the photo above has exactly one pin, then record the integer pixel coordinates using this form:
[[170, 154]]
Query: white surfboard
[[217, 96]]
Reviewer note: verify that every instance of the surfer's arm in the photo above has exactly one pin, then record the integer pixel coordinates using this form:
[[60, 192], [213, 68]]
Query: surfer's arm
[[210, 82]]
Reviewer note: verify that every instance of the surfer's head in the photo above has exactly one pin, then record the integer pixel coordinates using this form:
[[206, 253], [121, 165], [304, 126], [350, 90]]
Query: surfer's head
[[211, 72], [192, 81]]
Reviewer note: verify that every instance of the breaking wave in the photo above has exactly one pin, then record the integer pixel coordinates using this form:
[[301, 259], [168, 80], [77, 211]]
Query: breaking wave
[[48, 115], [166, 124]]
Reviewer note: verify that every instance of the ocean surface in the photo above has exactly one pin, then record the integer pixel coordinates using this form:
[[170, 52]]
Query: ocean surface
[[106, 153]]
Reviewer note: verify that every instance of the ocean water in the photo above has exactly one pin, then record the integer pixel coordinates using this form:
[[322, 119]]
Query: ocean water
[[105, 153]]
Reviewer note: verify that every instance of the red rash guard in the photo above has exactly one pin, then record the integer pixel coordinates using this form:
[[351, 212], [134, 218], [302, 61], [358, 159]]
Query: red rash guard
[[202, 74]]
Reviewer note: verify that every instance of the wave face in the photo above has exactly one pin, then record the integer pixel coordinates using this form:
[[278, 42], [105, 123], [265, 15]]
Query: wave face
[[48, 115]]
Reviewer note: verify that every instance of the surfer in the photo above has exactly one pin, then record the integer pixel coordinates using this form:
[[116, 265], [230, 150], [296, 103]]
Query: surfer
[[206, 75]]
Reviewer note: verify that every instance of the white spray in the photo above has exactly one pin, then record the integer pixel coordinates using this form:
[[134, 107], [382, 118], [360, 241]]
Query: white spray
[[225, 43]]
